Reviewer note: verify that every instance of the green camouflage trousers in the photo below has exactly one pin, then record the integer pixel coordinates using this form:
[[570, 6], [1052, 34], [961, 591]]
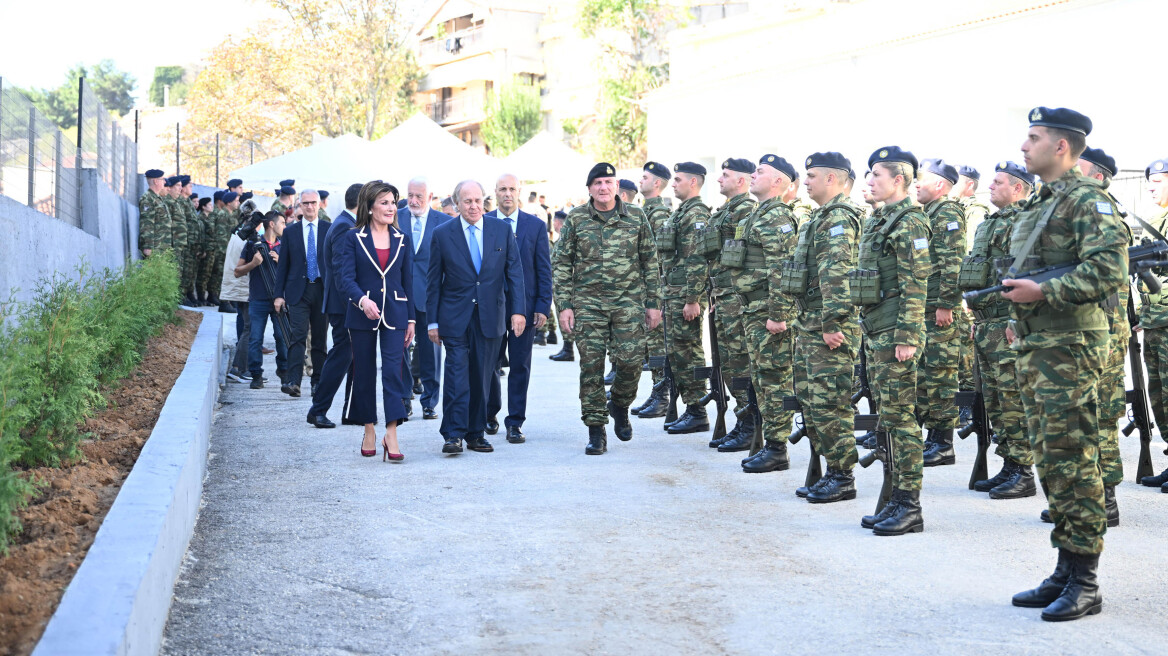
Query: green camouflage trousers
[[189, 270], [215, 276], [655, 346], [619, 333], [823, 383], [1059, 388], [997, 363], [965, 350], [894, 384], [202, 272], [937, 380], [685, 352], [732, 350], [1112, 406], [771, 360], [1156, 360]]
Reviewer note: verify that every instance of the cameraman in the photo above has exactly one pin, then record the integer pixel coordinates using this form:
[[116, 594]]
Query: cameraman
[[234, 290], [259, 298]]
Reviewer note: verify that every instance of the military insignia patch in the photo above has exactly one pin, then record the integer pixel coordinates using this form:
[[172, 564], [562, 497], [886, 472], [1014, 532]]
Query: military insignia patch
[[699, 225], [770, 158], [808, 162], [739, 232], [951, 226], [883, 154], [1103, 207], [1036, 115], [786, 227], [921, 244], [609, 170], [1159, 166], [836, 231]]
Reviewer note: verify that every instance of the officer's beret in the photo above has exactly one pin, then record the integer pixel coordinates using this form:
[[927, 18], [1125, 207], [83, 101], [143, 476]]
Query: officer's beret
[[172, 180], [1158, 166], [1101, 159], [287, 191], [831, 160], [184, 179], [969, 172], [245, 196], [601, 170], [692, 168], [203, 201], [230, 196], [1017, 171], [218, 195], [323, 194], [657, 169], [893, 154], [1061, 118], [194, 195], [288, 183], [628, 185], [780, 164], [234, 182], [941, 168], [560, 214], [739, 164], [154, 173]]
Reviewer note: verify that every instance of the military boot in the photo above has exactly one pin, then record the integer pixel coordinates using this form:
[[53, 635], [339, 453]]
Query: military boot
[[1080, 597], [803, 490], [942, 452], [597, 441], [839, 485], [693, 420], [1050, 588], [657, 405], [566, 353], [620, 422], [1155, 481], [868, 440], [731, 434], [189, 300], [870, 521], [741, 442], [1019, 485], [551, 338], [610, 377], [1112, 506], [772, 457], [998, 478], [907, 517], [540, 339], [213, 299]]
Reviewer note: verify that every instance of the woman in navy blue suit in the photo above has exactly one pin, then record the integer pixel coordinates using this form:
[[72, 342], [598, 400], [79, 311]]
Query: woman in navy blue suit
[[377, 270]]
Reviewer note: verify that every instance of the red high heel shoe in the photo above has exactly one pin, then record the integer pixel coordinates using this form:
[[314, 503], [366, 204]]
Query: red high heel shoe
[[393, 457], [370, 453]]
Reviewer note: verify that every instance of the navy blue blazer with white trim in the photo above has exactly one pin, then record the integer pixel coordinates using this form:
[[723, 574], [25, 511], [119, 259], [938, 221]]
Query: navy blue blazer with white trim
[[362, 275]]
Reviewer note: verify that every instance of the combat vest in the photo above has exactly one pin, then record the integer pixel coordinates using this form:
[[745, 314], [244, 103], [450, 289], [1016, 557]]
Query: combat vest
[[800, 276], [977, 269], [933, 289], [745, 255], [1154, 307], [874, 285]]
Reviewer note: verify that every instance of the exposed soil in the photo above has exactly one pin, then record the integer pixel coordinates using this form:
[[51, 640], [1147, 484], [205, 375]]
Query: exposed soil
[[59, 525]]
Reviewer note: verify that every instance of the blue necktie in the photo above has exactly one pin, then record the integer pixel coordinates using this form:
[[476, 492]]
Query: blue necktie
[[313, 272], [511, 224], [475, 255], [417, 233]]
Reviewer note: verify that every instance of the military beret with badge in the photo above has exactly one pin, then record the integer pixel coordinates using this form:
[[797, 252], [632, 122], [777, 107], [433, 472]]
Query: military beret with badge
[[154, 173], [1158, 166], [1101, 159], [779, 164], [1061, 118], [940, 167], [829, 160], [692, 168], [739, 164], [1020, 172], [893, 154], [601, 170], [658, 169]]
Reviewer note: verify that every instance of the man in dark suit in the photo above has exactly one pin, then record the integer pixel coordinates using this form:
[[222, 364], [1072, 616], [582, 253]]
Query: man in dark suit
[[475, 281], [299, 286], [419, 221], [531, 234], [338, 364]]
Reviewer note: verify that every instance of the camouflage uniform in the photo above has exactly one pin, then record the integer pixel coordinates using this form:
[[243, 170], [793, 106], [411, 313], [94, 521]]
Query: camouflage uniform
[[1113, 385], [975, 213], [222, 222], [277, 206], [657, 211], [605, 270], [153, 222], [896, 244], [1062, 341], [196, 240], [937, 381], [684, 282], [179, 238], [1154, 323], [995, 359], [826, 250]]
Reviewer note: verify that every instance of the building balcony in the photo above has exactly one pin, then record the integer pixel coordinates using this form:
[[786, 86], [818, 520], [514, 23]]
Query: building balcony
[[459, 109], [452, 47]]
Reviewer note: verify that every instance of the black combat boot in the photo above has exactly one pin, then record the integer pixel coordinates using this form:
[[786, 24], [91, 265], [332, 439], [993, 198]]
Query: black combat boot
[[1155, 481], [803, 490], [998, 478], [189, 300], [693, 420], [551, 338], [1081, 595], [1019, 485], [942, 451], [839, 485], [540, 339], [597, 441], [1050, 588], [213, 299], [657, 405], [741, 442], [1112, 506], [610, 377], [868, 440], [870, 521], [566, 353], [907, 517], [772, 457], [620, 422]]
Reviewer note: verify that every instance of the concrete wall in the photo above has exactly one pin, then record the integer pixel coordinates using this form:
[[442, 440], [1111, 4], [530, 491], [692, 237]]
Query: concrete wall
[[36, 245]]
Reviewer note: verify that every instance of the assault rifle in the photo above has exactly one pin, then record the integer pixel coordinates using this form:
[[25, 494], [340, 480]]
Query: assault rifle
[[883, 453], [975, 400], [814, 467], [865, 391], [713, 374], [659, 362], [739, 383], [1141, 260], [1141, 418]]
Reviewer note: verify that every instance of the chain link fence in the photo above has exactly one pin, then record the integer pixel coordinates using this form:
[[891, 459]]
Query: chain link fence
[[103, 146]]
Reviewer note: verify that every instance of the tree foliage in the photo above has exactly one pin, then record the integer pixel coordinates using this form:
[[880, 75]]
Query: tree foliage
[[172, 76], [514, 115], [114, 89]]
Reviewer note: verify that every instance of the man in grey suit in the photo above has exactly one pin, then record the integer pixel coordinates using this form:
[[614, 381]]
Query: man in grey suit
[[419, 222]]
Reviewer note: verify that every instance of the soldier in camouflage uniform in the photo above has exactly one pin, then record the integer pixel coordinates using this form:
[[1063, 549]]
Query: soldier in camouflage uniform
[[653, 181], [889, 287], [178, 233], [968, 179], [937, 379], [605, 273], [1154, 320], [995, 359], [827, 335], [153, 215], [734, 184], [285, 198], [223, 225], [1060, 330], [320, 212], [205, 268], [762, 243], [196, 236]]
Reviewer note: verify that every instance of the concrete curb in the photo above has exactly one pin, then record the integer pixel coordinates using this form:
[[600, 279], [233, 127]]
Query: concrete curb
[[118, 601]]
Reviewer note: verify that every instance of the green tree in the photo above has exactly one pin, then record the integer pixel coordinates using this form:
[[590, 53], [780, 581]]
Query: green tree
[[514, 115], [113, 88], [171, 76]]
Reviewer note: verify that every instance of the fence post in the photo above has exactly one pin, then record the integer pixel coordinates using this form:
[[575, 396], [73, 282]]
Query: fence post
[[251, 160], [177, 141], [97, 147], [216, 159], [57, 177], [135, 127], [80, 140], [31, 156]]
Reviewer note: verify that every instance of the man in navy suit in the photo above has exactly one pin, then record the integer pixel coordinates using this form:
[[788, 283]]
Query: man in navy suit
[[475, 281], [419, 221], [531, 234], [338, 364], [300, 287]]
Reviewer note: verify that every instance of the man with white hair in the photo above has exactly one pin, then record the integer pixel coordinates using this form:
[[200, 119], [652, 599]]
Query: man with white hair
[[299, 286]]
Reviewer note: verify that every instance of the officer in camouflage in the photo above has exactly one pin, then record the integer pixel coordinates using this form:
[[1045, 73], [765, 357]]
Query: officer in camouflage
[[754, 258], [1154, 320], [196, 239], [153, 215], [178, 233], [285, 197], [321, 212], [937, 380], [1060, 330], [889, 287], [968, 181], [800, 207], [827, 340], [606, 281], [653, 180], [223, 225], [734, 184], [995, 359]]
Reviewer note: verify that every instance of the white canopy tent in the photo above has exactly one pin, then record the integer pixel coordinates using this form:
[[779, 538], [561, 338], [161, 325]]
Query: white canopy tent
[[544, 158], [333, 164], [421, 147]]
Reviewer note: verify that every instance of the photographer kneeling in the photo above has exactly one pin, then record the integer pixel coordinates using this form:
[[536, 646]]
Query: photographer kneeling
[[258, 261]]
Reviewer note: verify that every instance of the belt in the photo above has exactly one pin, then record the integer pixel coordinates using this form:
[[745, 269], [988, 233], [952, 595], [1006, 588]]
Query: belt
[[312, 282], [997, 312], [756, 295]]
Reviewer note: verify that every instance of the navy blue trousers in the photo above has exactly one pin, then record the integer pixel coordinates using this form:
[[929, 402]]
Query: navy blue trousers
[[518, 377], [338, 366], [425, 363], [363, 396], [470, 359]]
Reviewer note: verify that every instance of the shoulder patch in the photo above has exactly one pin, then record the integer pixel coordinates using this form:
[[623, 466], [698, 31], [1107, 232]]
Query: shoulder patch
[[1103, 207], [921, 244], [786, 227], [836, 231], [952, 225]]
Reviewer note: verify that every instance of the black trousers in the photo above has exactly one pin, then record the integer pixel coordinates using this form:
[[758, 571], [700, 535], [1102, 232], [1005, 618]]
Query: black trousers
[[307, 314], [338, 366]]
